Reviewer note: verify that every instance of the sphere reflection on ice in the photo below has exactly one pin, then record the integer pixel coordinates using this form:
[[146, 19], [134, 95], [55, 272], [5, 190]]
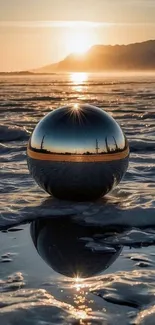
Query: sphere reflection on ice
[[77, 152], [64, 246]]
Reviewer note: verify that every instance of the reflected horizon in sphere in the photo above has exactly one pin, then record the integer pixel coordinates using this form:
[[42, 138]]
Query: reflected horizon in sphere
[[78, 152], [68, 247]]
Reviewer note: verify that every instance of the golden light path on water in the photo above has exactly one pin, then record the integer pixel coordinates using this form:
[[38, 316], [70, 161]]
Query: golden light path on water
[[78, 77], [79, 81], [80, 289], [80, 304]]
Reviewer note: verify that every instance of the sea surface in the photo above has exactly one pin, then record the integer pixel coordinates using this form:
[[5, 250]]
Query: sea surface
[[87, 262]]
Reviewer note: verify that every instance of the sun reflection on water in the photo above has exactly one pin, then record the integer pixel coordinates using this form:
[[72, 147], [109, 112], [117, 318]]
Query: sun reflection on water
[[80, 303], [78, 77], [80, 298]]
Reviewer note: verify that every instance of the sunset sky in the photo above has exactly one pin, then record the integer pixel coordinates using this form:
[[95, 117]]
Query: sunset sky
[[34, 33]]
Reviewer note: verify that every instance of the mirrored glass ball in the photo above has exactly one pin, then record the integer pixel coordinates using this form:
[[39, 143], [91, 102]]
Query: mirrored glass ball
[[77, 152]]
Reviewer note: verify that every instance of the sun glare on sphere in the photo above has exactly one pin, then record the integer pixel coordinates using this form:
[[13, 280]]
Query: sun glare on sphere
[[76, 108]]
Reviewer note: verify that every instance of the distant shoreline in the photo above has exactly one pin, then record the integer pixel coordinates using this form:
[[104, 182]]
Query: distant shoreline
[[25, 73], [22, 73]]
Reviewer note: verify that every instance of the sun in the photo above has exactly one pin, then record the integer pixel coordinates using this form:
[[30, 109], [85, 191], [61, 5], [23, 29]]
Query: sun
[[80, 45], [79, 41]]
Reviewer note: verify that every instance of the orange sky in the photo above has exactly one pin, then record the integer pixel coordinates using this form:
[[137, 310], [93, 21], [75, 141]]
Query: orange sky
[[34, 33]]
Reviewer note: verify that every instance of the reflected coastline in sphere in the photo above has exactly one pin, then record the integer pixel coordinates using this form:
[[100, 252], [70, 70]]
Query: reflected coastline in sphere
[[78, 152], [67, 247]]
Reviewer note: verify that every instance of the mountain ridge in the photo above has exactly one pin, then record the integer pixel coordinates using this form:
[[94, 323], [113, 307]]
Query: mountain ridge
[[136, 56]]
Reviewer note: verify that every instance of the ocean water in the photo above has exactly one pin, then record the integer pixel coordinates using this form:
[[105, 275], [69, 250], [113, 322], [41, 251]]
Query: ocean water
[[77, 263]]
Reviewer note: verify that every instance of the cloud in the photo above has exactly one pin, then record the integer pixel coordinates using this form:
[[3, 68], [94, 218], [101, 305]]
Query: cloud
[[54, 24], [68, 24]]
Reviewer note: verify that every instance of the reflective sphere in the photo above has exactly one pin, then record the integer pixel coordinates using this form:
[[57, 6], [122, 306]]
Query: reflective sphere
[[65, 246], [78, 153]]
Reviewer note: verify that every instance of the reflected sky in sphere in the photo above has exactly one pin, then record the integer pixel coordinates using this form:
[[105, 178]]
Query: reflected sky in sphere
[[78, 129]]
